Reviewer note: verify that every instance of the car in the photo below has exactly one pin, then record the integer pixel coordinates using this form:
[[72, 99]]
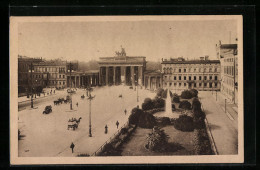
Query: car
[[47, 109]]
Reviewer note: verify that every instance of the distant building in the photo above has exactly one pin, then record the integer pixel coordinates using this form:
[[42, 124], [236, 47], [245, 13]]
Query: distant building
[[152, 79], [201, 74], [50, 73], [227, 54], [122, 69], [80, 79], [24, 64]]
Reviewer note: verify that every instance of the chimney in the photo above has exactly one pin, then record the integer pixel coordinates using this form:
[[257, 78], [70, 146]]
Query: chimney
[[206, 57], [201, 58]]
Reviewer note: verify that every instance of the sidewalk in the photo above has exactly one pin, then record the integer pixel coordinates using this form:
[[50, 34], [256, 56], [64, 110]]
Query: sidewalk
[[223, 129], [231, 108], [25, 99]]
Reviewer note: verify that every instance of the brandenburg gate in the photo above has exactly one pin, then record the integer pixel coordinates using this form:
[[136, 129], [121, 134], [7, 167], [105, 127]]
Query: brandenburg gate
[[122, 69]]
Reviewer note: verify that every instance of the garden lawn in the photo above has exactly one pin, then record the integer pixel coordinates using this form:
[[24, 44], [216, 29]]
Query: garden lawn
[[180, 143]]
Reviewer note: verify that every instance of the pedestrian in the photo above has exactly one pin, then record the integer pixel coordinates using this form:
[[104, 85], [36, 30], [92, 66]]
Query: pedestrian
[[125, 111], [106, 129], [77, 104], [72, 146], [54, 91], [117, 123]]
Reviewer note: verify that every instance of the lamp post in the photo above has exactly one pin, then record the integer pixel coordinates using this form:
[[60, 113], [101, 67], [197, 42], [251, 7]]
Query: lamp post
[[31, 70], [70, 87], [90, 98]]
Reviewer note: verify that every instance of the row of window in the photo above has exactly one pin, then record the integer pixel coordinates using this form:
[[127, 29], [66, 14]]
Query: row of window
[[194, 77], [229, 70], [172, 70], [51, 76], [195, 85], [50, 69], [57, 82]]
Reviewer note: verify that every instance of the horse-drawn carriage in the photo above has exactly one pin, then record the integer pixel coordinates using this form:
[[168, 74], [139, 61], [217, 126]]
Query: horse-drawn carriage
[[47, 109], [73, 123], [59, 101]]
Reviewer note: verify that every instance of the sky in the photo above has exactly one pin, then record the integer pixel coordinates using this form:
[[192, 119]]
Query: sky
[[84, 41]]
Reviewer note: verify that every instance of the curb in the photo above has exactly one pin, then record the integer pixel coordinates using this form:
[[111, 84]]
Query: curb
[[212, 142]]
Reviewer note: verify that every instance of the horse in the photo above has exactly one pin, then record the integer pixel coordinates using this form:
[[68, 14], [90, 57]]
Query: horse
[[56, 102], [73, 126]]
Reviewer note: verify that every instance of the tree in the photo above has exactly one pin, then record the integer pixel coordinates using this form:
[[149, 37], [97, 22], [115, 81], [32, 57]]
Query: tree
[[186, 94], [176, 99], [146, 120], [134, 117], [194, 92], [148, 104]]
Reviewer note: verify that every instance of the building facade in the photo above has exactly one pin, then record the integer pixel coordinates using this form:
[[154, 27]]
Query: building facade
[[122, 69], [181, 74], [152, 79], [227, 54], [81, 79], [24, 66], [51, 74]]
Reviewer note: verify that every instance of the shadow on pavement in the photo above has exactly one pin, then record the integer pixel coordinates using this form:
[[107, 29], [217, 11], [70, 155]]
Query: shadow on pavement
[[213, 127]]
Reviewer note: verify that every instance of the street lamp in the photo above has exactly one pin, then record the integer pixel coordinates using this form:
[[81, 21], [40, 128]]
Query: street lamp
[[136, 86], [31, 71], [90, 98]]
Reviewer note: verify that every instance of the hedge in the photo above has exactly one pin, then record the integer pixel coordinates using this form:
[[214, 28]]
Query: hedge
[[146, 120], [201, 142]]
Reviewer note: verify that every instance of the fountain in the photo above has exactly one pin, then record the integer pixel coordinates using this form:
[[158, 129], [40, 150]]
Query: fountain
[[168, 105]]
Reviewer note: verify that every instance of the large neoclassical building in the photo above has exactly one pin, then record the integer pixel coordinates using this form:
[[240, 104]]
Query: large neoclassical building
[[181, 74], [122, 69]]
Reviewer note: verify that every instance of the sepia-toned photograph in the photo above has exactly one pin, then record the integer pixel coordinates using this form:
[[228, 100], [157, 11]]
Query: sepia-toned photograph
[[126, 89]]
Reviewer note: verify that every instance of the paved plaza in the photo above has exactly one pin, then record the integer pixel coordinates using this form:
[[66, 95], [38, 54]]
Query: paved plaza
[[47, 135]]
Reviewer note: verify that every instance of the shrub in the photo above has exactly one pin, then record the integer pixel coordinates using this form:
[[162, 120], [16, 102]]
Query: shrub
[[146, 120], [157, 140], [173, 107], [184, 123], [134, 117], [201, 142], [109, 149], [196, 105], [199, 115], [194, 92], [198, 123], [158, 102], [159, 92], [176, 99], [186, 94], [124, 131], [164, 121], [185, 105]]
